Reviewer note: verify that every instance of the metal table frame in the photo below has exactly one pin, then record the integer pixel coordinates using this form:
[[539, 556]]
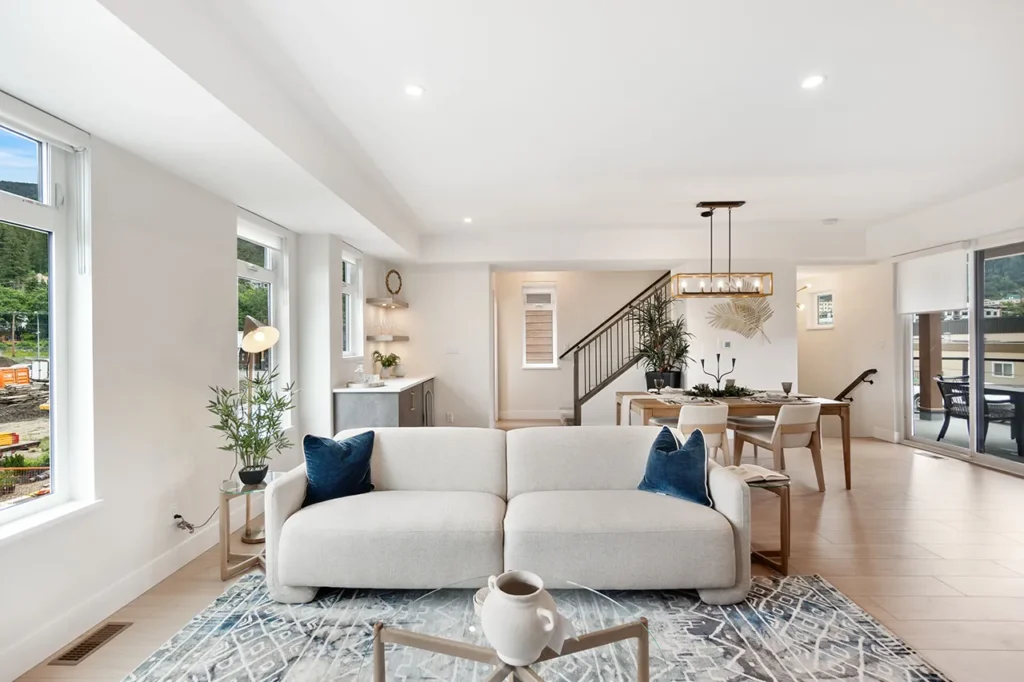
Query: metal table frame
[[636, 630]]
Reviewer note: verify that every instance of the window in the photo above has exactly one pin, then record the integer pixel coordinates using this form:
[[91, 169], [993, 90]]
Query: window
[[21, 164], [824, 309], [539, 340], [1002, 369], [258, 287], [351, 307], [34, 289], [822, 314]]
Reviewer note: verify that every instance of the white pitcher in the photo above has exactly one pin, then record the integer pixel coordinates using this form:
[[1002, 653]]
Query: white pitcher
[[518, 616]]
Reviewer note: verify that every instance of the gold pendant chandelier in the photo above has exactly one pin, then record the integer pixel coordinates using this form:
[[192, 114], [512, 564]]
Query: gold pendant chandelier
[[726, 284]]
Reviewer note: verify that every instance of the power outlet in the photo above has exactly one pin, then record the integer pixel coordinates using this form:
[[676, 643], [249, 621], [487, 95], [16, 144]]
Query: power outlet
[[449, 417]]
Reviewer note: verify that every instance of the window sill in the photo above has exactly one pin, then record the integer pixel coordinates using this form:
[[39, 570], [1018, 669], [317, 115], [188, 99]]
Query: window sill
[[541, 367], [47, 518]]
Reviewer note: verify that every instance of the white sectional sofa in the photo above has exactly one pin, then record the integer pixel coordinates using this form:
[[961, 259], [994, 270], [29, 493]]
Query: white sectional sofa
[[455, 503]]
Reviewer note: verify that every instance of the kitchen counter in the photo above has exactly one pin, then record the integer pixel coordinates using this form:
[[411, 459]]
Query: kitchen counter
[[408, 401], [390, 385]]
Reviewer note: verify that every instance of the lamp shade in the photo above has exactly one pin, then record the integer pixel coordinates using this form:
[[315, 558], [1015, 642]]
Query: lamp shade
[[258, 337]]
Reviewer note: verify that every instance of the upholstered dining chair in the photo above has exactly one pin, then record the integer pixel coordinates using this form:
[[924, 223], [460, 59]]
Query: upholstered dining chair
[[711, 420], [751, 424], [795, 427]]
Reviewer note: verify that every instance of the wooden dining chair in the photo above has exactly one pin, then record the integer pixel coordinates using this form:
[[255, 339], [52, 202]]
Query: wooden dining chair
[[711, 420], [795, 427]]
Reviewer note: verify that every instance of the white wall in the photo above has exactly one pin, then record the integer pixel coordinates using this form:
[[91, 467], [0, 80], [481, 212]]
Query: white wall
[[163, 251], [864, 337], [450, 326], [760, 363], [584, 300]]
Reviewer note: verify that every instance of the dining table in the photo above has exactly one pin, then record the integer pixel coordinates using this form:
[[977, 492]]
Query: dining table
[[648, 406]]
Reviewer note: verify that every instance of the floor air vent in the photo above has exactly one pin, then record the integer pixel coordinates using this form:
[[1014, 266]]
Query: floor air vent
[[80, 650], [928, 455]]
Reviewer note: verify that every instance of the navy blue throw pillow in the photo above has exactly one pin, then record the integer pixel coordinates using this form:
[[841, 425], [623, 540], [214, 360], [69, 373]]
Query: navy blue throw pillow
[[337, 468], [678, 471]]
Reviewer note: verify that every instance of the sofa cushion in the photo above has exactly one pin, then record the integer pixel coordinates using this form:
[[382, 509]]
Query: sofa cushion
[[393, 539], [438, 458], [678, 470], [619, 539], [337, 468], [580, 458]]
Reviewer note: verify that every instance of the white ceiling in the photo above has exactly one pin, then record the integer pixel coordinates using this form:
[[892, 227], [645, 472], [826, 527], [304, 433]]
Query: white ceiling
[[583, 113], [547, 121]]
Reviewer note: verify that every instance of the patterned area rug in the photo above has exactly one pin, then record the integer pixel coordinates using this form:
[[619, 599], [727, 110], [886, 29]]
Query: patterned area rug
[[794, 629]]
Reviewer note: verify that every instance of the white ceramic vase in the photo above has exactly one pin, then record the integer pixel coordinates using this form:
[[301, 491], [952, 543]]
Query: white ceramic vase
[[518, 616]]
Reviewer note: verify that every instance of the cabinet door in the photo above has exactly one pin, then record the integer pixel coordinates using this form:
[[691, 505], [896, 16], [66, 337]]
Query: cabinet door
[[428, 403], [410, 406]]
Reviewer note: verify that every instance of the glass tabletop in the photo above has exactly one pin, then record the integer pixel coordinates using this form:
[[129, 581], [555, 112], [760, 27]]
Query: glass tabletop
[[236, 487], [453, 614]]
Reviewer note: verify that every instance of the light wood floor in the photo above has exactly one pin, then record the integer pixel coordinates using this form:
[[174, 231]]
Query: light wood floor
[[933, 548]]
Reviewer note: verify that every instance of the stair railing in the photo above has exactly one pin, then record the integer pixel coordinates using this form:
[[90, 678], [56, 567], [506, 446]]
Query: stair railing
[[609, 350], [862, 379]]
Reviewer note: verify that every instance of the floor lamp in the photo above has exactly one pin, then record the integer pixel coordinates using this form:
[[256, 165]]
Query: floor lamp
[[256, 338]]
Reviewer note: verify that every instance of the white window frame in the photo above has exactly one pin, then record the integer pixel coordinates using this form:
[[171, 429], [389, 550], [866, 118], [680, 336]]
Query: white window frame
[[542, 288], [997, 365], [279, 273], [64, 211], [353, 289], [812, 317]]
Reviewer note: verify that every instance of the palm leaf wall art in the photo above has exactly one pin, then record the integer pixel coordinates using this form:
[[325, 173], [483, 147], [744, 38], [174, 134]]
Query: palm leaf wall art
[[745, 316]]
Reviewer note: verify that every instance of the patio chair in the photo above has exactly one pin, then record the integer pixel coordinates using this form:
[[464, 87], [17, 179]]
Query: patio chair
[[956, 403]]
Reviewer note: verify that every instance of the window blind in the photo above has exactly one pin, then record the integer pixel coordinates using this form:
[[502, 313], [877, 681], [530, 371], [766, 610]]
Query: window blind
[[932, 283], [540, 348]]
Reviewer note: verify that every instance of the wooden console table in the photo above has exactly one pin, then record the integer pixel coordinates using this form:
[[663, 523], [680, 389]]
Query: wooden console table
[[649, 407]]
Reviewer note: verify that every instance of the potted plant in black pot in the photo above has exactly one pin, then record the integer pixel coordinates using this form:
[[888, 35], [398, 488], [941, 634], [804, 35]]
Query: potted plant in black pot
[[252, 421], [663, 342]]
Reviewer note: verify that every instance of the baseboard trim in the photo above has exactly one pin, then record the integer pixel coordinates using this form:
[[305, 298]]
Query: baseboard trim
[[886, 435], [513, 415], [49, 639]]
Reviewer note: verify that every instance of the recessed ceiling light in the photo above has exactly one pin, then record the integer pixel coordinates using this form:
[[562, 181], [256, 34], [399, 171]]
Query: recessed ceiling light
[[467, 219], [812, 82], [414, 90], [829, 221]]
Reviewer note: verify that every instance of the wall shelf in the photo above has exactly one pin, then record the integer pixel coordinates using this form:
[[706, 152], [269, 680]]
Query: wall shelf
[[386, 337], [387, 302]]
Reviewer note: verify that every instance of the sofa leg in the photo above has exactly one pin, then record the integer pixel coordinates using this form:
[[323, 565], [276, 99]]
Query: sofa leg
[[291, 595], [726, 595]]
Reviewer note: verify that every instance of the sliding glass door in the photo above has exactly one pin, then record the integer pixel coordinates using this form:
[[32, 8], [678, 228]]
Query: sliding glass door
[[999, 362], [939, 401], [964, 350]]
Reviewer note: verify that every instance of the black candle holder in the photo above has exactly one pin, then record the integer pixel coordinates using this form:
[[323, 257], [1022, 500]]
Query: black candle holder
[[718, 375]]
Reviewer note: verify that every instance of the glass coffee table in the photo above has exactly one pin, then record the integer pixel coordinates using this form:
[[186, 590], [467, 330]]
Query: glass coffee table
[[437, 635]]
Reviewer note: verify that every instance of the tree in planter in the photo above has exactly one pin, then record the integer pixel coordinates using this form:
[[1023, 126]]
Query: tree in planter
[[663, 343], [252, 421]]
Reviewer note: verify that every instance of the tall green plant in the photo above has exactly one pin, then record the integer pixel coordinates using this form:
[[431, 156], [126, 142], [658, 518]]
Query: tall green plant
[[253, 429], [663, 342]]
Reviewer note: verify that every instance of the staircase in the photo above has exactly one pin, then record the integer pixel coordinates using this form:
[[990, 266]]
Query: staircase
[[608, 351]]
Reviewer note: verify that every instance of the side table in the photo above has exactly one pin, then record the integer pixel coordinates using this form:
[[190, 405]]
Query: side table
[[776, 559], [232, 564]]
